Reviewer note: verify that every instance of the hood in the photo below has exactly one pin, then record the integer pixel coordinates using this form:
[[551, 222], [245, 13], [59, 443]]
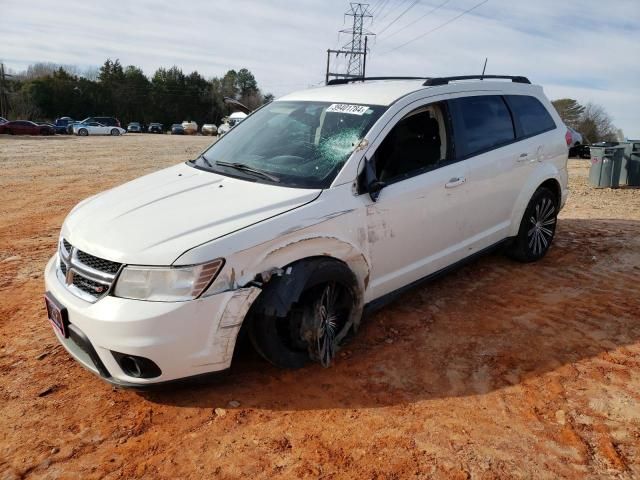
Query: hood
[[154, 219]]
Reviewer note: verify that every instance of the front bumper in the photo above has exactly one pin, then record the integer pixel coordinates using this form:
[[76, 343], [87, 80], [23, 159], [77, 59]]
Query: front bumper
[[183, 339]]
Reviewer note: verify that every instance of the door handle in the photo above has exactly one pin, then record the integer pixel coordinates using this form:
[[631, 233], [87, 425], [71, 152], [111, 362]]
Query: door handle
[[455, 182], [523, 157]]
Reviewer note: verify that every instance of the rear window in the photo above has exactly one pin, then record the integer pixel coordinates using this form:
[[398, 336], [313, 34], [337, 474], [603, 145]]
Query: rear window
[[531, 115], [480, 124]]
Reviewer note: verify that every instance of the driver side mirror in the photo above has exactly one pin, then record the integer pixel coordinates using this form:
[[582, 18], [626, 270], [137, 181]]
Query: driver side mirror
[[368, 181]]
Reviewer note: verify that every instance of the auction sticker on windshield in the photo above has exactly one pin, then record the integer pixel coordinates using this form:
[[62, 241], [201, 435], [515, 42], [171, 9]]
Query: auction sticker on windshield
[[346, 108]]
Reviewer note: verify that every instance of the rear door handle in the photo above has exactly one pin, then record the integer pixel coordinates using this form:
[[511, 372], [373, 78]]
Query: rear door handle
[[455, 182], [523, 157]]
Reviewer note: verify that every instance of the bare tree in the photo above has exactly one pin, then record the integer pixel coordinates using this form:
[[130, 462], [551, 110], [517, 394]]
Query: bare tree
[[596, 125], [22, 106]]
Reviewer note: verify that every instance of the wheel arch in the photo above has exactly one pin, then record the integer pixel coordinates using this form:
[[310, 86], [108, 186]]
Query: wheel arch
[[547, 178], [283, 261]]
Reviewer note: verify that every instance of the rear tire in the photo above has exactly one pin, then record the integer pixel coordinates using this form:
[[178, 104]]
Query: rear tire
[[537, 227], [83, 132], [315, 326]]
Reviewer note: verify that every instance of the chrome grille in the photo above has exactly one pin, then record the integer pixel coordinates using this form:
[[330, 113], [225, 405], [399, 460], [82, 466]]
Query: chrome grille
[[85, 275], [98, 263]]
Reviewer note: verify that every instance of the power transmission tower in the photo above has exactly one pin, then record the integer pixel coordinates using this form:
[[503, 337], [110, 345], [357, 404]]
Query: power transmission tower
[[356, 49], [4, 98]]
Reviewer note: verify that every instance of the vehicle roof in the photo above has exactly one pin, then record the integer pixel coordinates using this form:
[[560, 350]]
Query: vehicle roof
[[386, 92]]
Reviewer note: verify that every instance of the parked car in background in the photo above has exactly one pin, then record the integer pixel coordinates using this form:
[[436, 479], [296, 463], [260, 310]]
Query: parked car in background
[[107, 121], [177, 129], [190, 128], [62, 123], [155, 128], [234, 119], [25, 127], [95, 128], [50, 127], [574, 139], [134, 127], [70, 126], [209, 129]]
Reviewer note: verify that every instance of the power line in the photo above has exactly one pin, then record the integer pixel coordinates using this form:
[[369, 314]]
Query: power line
[[438, 7], [415, 2], [378, 9], [436, 28], [391, 10], [375, 7]]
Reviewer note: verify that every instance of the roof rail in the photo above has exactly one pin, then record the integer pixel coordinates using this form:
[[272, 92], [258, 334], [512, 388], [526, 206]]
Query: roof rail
[[432, 82], [342, 81]]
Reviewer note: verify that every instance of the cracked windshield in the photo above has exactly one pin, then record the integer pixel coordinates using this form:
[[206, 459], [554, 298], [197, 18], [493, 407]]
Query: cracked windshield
[[293, 144]]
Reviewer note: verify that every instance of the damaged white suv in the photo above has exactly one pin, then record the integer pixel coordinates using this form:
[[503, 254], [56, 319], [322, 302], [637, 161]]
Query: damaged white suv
[[317, 207]]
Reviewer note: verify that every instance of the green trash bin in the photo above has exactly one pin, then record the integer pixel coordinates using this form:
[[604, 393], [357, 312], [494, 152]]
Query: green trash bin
[[633, 170], [606, 166], [628, 171]]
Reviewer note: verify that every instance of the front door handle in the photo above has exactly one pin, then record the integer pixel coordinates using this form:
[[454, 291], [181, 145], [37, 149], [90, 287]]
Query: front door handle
[[455, 182]]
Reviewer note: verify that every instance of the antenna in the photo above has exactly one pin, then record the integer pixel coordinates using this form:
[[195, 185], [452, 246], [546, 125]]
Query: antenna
[[484, 68]]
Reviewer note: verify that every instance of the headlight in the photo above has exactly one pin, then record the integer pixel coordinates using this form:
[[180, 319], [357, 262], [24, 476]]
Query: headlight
[[166, 284]]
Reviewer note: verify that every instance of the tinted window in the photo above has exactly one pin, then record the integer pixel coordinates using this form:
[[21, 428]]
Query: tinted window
[[531, 115], [481, 123], [415, 144]]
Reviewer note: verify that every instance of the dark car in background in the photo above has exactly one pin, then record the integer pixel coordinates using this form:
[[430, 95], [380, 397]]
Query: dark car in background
[[155, 127], [62, 123], [3, 120], [50, 126], [25, 127], [177, 129], [134, 127]]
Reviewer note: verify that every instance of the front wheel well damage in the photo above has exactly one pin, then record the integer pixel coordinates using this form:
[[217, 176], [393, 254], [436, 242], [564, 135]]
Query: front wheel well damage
[[288, 298], [282, 287]]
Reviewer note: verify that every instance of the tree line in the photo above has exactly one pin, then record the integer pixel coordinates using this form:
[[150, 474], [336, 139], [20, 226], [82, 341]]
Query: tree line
[[45, 91], [591, 120], [48, 91]]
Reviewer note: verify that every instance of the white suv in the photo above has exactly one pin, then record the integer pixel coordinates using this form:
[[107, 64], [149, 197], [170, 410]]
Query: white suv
[[318, 207]]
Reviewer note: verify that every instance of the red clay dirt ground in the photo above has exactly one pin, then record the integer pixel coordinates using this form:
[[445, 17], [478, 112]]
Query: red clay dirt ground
[[498, 370]]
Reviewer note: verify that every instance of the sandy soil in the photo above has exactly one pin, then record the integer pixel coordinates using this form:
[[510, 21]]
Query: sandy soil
[[499, 370]]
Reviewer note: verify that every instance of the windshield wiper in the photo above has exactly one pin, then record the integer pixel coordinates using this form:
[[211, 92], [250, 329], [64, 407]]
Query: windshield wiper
[[246, 168], [206, 160]]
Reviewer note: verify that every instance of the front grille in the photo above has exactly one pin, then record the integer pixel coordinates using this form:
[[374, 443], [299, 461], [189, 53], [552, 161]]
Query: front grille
[[86, 276], [98, 263]]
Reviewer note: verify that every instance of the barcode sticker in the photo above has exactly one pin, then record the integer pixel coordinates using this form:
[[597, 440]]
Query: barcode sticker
[[346, 108]]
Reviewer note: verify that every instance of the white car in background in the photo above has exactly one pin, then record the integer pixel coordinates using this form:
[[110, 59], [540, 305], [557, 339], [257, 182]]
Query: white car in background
[[95, 128]]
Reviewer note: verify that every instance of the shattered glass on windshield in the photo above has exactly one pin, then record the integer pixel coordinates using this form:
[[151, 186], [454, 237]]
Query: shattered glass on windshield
[[301, 144]]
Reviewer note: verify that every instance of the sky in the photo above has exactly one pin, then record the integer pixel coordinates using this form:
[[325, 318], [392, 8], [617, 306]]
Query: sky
[[587, 50]]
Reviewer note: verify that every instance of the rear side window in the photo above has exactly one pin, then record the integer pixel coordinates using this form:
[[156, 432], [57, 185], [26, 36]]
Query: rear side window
[[530, 115], [480, 124]]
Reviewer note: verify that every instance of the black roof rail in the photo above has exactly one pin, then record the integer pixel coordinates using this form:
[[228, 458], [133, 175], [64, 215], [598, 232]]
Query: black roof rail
[[342, 81], [432, 82]]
